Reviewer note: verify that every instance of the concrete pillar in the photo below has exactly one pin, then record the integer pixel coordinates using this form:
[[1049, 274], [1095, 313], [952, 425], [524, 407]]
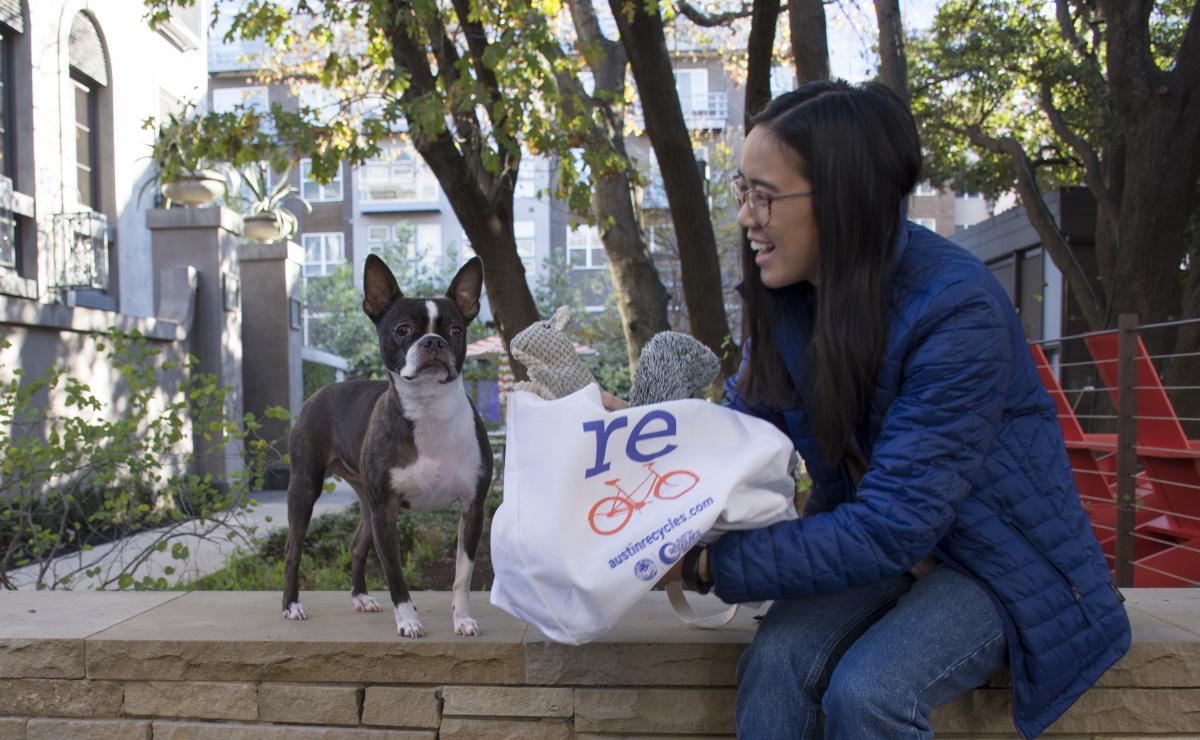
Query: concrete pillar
[[272, 373], [206, 239]]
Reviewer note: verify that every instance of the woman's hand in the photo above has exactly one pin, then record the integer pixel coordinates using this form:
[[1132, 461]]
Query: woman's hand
[[612, 403]]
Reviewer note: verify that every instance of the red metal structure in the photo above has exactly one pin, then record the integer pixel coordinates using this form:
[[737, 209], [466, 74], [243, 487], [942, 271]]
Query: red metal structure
[[1161, 537]]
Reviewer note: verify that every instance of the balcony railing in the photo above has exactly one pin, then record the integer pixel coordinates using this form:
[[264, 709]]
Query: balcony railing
[[706, 111], [234, 56], [80, 251]]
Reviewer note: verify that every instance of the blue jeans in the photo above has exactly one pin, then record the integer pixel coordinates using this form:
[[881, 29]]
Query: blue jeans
[[874, 660]]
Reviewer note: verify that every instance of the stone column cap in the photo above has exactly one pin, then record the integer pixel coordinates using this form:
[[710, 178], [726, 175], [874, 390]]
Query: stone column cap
[[195, 218]]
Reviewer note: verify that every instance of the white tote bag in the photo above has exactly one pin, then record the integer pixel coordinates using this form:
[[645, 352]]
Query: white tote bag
[[599, 504]]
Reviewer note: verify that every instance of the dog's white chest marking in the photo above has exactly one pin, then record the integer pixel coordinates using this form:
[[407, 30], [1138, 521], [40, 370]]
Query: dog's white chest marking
[[447, 464]]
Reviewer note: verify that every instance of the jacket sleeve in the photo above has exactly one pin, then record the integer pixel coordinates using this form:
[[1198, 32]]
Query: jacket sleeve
[[735, 401], [934, 435]]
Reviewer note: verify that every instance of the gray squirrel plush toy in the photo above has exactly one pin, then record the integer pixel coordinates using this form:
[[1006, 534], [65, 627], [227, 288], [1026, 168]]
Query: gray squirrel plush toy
[[672, 365]]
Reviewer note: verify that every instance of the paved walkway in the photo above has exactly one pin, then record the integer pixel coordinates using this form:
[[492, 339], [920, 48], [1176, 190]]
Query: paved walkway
[[209, 546]]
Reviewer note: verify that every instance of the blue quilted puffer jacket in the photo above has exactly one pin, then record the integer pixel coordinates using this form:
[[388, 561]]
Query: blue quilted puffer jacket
[[966, 462]]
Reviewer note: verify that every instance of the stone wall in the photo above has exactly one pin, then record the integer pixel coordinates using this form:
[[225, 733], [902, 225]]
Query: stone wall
[[226, 666]]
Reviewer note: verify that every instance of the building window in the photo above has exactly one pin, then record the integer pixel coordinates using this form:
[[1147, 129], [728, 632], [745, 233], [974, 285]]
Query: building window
[[316, 192], [924, 189], [585, 251], [526, 233], [323, 253], [86, 143], [379, 237], [929, 223], [8, 238], [692, 86], [414, 241], [227, 99], [403, 177]]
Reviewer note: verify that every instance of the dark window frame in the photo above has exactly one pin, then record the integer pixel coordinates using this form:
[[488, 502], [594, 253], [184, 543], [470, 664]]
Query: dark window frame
[[90, 86]]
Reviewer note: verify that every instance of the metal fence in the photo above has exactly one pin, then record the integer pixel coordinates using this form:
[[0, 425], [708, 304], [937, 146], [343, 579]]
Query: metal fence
[[1135, 457]]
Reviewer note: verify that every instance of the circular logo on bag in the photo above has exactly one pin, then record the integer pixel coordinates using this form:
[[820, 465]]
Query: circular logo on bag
[[645, 569], [672, 551]]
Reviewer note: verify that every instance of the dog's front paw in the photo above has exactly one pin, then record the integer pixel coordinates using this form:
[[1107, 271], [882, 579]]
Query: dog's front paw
[[364, 603], [294, 611], [407, 623], [410, 628], [465, 626]]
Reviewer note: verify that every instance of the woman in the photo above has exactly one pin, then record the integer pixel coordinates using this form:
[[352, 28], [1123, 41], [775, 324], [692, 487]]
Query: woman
[[943, 538]]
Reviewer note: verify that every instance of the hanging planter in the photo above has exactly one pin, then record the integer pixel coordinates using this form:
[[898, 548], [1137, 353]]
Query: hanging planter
[[194, 189]]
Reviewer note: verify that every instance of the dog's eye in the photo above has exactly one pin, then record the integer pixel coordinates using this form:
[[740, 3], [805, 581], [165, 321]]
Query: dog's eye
[[403, 330], [455, 331]]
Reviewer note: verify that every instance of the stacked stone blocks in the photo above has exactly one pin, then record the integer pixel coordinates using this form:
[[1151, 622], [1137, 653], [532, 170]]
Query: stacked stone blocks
[[226, 666]]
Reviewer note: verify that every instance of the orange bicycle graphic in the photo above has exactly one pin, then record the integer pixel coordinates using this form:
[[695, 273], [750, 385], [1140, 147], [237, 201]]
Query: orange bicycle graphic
[[610, 514]]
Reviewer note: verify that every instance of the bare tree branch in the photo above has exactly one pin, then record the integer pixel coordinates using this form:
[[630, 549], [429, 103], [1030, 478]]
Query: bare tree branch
[[760, 53], [1066, 28], [709, 20], [477, 43], [1187, 61], [893, 65], [1093, 171], [1087, 292], [810, 43]]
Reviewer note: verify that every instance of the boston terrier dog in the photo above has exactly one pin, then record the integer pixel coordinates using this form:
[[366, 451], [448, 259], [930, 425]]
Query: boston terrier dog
[[412, 441]]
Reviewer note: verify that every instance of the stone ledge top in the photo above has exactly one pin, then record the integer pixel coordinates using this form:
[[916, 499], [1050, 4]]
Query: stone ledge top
[[241, 636], [1158, 616]]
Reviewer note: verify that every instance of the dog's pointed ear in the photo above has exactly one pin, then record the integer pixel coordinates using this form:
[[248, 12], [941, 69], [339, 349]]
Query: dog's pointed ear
[[380, 289], [466, 287], [560, 318]]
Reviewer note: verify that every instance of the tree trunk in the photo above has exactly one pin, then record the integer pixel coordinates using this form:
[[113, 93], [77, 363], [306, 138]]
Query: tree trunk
[[488, 223], [646, 46], [810, 46], [759, 53], [1162, 167], [482, 201], [641, 297], [893, 67]]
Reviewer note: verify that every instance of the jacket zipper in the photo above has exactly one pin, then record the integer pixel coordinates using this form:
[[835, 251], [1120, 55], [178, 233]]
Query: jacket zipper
[[1053, 566]]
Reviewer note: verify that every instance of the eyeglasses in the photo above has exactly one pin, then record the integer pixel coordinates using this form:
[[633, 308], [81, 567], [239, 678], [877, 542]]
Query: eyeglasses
[[760, 202]]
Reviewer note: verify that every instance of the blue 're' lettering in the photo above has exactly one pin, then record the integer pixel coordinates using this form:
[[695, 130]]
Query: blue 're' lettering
[[639, 434]]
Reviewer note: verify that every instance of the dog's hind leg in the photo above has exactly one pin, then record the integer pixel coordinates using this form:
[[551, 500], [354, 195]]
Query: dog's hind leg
[[470, 528], [363, 539], [304, 486]]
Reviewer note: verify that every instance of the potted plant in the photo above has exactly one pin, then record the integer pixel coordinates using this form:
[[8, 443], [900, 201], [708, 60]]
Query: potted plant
[[178, 153], [264, 218]]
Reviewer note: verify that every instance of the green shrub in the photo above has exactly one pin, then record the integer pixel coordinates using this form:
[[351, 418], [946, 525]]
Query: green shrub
[[316, 375], [78, 477], [422, 537]]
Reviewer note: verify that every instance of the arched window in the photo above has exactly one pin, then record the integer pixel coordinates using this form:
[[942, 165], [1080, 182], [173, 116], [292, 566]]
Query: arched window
[[12, 27], [89, 77]]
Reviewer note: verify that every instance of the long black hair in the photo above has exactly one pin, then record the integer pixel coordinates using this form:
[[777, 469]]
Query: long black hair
[[858, 146]]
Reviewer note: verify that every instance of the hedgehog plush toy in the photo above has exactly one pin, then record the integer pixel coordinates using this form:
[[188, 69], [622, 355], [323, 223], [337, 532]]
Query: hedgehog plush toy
[[671, 366]]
